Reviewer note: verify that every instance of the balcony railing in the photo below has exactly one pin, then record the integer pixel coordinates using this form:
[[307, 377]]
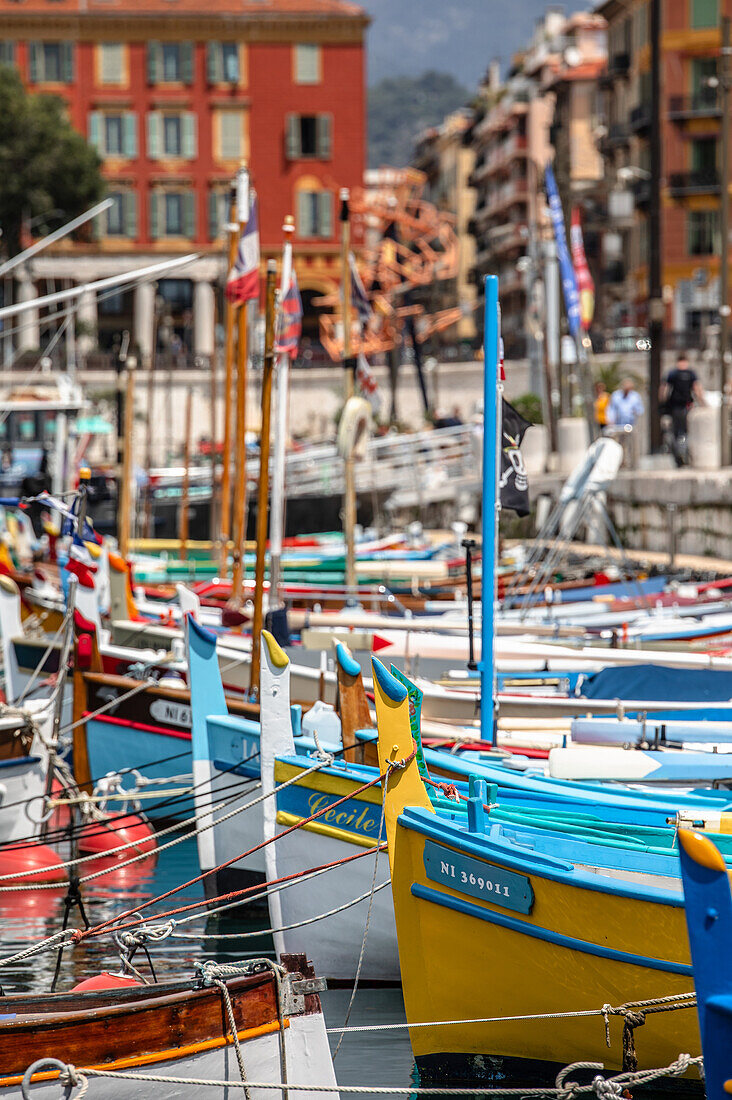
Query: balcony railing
[[702, 104], [693, 183], [640, 118], [618, 65]]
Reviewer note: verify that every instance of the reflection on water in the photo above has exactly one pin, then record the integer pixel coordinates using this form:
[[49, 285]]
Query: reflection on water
[[365, 1058]]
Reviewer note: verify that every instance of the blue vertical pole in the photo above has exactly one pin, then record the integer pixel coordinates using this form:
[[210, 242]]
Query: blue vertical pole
[[490, 505]]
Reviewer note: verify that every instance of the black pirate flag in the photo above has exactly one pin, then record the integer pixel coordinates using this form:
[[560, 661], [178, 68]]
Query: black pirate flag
[[513, 485]]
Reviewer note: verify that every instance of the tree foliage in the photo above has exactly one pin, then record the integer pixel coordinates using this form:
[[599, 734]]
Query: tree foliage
[[400, 107], [45, 164]]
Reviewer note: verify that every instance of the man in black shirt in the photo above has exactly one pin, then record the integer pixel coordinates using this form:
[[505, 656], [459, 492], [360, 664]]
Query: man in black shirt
[[679, 390]]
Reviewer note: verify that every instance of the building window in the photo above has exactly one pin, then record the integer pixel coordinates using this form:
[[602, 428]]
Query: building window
[[704, 156], [703, 232], [218, 201], [704, 13], [172, 214], [315, 214], [121, 217], [51, 62], [7, 53], [309, 136], [170, 62], [114, 133], [222, 62], [231, 143], [111, 63], [704, 71], [307, 63], [171, 134]]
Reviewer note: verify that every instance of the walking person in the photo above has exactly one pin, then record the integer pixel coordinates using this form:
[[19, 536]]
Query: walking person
[[624, 410], [602, 400], [680, 388]]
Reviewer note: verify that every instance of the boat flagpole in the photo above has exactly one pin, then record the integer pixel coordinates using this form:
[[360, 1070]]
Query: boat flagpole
[[239, 533], [349, 365], [491, 507], [186, 493], [277, 525], [233, 243], [267, 372], [125, 499]]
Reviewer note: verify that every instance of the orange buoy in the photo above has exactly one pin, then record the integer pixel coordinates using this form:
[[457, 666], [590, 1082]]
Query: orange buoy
[[105, 980], [41, 861], [100, 837]]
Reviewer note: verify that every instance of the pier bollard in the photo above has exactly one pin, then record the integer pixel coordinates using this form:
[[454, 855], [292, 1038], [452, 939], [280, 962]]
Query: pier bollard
[[535, 449], [573, 439], [703, 438]]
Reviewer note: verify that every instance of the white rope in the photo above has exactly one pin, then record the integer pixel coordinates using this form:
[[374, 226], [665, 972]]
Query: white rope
[[286, 927], [51, 943], [562, 1090]]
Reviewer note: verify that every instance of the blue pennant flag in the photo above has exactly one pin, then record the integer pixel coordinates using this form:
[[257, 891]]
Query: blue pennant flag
[[566, 269]]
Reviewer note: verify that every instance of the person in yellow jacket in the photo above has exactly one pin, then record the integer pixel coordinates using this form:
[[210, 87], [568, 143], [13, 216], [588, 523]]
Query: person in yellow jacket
[[602, 400]]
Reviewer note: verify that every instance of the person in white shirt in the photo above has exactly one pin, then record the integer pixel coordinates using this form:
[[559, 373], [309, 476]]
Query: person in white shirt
[[626, 405]]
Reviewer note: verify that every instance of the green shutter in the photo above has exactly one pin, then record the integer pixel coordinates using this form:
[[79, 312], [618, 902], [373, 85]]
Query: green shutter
[[214, 200], [304, 209], [129, 213], [129, 124], [67, 62], [213, 63], [189, 214], [95, 131], [186, 62], [7, 53], [188, 135], [324, 136], [704, 13], [153, 62], [154, 135], [154, 215], [325, 214], [292, 136], [34, 59]]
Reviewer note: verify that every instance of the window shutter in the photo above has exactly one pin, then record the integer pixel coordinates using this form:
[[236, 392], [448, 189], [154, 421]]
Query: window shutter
[[129, 122], [129, 214], [230, 123], [325, 214], [95, 130], [34, 54], [153, 62], [186, 62], [7, 53], [304, 214], [292, 137], [154, 215], [154, 135], [213, 63], [189, 214], [324, 131], [188, 142], [213, 214], [67, 62]]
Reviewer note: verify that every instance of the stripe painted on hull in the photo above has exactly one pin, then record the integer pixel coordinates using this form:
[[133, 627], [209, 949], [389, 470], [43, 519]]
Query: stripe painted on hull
[[539, 933], [161, 731], [326, 830], [172, 1055]]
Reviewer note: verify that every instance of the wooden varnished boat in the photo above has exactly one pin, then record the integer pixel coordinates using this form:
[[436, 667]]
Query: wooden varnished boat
[[179, 1029]]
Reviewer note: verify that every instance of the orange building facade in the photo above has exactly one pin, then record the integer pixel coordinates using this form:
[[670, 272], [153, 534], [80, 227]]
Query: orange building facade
[[175, 95]]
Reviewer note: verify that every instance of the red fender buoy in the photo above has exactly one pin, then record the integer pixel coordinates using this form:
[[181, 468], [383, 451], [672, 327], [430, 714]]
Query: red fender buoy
[[42, 861], [99, 838], [105, 980]]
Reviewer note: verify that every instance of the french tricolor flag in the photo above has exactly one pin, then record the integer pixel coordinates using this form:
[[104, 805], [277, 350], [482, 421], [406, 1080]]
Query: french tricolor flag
[[290, 321], [242, 283]]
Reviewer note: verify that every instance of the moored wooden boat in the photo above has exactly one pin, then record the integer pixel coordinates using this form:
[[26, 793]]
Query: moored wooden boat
[[177, 1029], [490, 934]]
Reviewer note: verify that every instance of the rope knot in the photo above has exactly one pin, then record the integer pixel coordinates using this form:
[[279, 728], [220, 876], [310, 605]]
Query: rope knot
[[606, 1089]]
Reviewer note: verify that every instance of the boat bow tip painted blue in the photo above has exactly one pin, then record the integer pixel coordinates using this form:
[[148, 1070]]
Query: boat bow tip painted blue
[[346, 661], [391, 687]]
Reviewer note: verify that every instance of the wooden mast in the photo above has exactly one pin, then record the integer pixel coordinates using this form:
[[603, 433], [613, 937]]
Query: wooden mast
[[149, 425], [233, 244], [123, 519], [186, 490], [268, 370], [213, 391], [349, 495], [277, 523], [239, 533]]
